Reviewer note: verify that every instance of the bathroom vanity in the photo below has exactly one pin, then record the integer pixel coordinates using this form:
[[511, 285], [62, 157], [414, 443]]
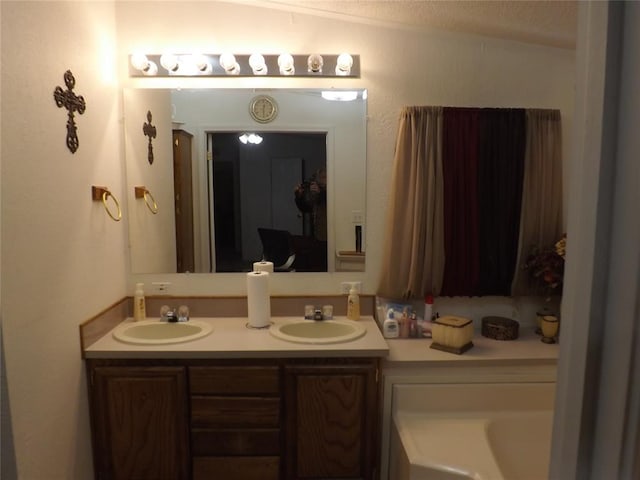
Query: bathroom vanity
[[236, 404]]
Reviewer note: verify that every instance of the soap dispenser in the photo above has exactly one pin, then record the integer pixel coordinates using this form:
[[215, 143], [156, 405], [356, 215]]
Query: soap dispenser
[[390, 326], [139, 304], [353, 304]]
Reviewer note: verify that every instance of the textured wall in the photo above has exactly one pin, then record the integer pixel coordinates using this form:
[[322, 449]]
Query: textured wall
[[62, 257]]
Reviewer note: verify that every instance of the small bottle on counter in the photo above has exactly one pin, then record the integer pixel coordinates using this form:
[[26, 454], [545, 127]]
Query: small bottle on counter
[[139, 304], [413, 326], [428, 308], [425, 328], [390, 325], [404, 324], [353, 305]]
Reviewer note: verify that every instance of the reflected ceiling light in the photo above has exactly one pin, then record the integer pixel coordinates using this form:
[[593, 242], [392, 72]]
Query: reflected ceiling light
[[344, 64], [315, 63], [285, 62], [339, 95], [169, 62], [229, 64], [252, 138], [141, 62], [257, 64]]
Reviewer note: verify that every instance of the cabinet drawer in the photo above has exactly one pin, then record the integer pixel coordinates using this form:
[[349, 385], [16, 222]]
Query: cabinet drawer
[[244, 412], [236, 468], [235, 380], [264, 441]]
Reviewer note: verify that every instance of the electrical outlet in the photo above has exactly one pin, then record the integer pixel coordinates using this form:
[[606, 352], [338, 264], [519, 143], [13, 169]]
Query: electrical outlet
[[160, 288], [346, 286], [357, 217]]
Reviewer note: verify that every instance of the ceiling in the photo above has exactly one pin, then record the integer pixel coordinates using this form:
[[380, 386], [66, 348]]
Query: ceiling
[[545, 22]]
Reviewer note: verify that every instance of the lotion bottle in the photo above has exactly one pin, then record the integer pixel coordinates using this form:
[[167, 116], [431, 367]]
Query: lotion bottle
[[139, 304], [390, 326], [353, 305]]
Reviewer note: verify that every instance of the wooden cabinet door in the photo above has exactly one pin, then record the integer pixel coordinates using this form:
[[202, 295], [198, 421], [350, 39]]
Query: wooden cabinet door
[[331, 421], [140, 417]]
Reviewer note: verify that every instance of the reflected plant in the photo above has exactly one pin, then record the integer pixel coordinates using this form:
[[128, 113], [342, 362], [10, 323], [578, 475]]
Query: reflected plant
[[546, 267]]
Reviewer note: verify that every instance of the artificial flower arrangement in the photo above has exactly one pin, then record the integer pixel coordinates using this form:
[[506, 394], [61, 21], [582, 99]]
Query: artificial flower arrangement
[[546, 267]]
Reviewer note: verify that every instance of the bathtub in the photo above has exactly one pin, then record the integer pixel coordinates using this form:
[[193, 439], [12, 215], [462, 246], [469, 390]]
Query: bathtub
[[483, 432]]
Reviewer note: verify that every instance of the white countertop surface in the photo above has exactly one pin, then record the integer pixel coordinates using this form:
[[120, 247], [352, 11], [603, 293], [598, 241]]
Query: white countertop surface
[[527, 347], [232, 339]]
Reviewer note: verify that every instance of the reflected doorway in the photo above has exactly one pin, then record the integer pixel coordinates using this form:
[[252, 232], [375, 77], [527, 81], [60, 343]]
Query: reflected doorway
[[254, 186]]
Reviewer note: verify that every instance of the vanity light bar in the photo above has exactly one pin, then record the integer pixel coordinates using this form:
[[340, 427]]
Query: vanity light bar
[[241, 65]]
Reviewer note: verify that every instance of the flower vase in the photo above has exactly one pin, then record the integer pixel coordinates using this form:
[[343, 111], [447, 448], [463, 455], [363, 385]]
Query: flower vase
[[549, 327], [540, 314]]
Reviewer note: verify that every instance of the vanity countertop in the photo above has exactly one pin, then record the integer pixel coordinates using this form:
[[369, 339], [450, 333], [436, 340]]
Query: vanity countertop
[[232, 339], [526, 348]]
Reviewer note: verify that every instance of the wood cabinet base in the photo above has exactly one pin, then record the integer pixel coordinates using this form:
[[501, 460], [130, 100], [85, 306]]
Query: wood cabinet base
[[271, 419]]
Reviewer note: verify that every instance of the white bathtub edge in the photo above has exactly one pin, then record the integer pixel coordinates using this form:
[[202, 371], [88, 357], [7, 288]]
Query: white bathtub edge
[[436, 451]]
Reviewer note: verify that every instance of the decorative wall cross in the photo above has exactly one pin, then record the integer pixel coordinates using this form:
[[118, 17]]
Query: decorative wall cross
[[149, 131], [73, 103]]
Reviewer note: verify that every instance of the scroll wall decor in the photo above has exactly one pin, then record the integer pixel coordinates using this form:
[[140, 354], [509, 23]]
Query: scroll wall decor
[[149, 130], [73, 103]]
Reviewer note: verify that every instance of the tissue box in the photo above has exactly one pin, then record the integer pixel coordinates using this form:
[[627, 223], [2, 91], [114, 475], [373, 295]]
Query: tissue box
[[452, 334]]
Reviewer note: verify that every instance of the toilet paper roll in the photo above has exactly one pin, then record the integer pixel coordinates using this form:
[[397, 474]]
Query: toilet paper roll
[[258, 300], [263, 266]]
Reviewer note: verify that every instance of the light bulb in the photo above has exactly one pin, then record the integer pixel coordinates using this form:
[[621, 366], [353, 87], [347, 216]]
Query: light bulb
[[151, 70], [201, 62], [169, 62], [285, 62], [315, 63], [229, 64], [344, 64], [257, 64], [139, 61]]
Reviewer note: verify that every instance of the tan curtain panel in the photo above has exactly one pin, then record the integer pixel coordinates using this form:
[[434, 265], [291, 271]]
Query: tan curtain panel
[[541, 214], [413, 257]]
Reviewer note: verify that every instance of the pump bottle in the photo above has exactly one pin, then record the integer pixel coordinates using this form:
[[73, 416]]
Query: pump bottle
[[139, 304], [390, 326], [353, 305]]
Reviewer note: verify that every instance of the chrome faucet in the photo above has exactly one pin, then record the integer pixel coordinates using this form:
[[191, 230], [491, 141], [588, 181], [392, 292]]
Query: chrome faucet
[[167, 314]]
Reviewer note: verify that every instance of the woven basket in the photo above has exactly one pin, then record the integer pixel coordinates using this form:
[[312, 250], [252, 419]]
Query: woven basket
[[500, 328]]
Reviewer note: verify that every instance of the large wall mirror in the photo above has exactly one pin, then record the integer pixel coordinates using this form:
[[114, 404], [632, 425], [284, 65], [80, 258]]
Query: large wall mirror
[[228, 184]]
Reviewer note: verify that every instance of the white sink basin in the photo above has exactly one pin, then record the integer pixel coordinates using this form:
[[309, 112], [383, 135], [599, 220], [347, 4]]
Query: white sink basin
[[318, 332], [154, 332]]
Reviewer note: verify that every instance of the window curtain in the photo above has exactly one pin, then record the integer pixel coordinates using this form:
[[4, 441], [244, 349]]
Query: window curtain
[[541, 217], [500, 171], [413, 257], [460, 170], [473, 190]]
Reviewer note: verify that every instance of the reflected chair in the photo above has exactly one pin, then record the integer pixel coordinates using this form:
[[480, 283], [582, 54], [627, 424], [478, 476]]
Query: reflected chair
[[277, 247]]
